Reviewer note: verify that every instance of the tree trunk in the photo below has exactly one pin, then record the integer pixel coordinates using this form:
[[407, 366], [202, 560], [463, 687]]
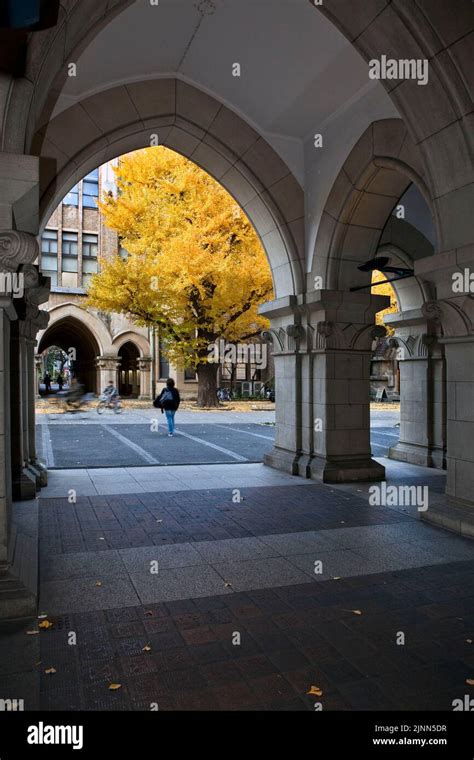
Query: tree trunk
[[207, 385]]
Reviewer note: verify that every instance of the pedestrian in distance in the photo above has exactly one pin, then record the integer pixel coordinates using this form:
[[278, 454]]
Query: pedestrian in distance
[[168, 401]]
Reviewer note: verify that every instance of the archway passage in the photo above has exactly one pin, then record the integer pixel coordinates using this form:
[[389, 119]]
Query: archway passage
[[79, 343], [129, 378]]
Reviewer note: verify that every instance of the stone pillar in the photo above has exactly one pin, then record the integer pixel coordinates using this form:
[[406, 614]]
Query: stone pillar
[[422, 391], [108, 369], [38, 373], [460, 419], [322, 369], [285, 333], [7, 315], [144, 367]]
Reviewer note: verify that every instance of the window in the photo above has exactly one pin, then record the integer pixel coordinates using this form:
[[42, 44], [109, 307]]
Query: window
[[90, 244], [90, 189], [189, 373], [49, 242], [72, 198], [69, 243]]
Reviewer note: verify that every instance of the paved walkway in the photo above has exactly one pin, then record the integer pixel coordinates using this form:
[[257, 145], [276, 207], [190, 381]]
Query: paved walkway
[[188, 599], [139, 437]]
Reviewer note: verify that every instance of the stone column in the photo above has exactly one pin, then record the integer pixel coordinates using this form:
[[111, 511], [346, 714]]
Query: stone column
[[108, 369], [342, 332], [144, 366], [7, 315], [456, 317], [38, 373], [422, 391], [322, 369], [285, 334]]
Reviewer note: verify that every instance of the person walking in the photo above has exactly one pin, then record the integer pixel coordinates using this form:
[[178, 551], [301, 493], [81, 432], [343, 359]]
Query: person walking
[[60, 382], [47, 382], [168, 401]]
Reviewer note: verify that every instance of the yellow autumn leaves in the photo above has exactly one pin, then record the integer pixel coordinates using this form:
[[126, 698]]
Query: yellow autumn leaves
[[194, 266]]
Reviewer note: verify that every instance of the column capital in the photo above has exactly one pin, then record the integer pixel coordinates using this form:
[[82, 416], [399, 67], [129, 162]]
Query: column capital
[[16, 248], [454, 316], [144, 363], [108, 362]]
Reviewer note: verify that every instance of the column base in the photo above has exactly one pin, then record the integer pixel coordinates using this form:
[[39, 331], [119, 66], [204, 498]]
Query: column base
[[345, 470], [17, 602], [282, 459], [24, 486], [454, 515], [423, 456], [40, 473]]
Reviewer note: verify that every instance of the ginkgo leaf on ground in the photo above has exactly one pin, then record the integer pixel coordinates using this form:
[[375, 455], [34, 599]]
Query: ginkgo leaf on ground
[[315, 691], [115, 686], [146, 648], [50, 671], [45, 624], [98, 583]]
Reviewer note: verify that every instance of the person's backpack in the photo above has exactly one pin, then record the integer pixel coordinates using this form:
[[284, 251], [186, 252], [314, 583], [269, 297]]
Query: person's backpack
[[157, 403], [167, 396]]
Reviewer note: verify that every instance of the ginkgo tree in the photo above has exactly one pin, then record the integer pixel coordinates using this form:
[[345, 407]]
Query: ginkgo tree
[[195, 268]]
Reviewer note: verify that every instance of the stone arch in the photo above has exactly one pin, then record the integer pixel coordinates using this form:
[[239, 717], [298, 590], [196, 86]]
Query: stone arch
[[436, 114], [85, 322], [379, 169], [68, 331], [197, 126], [129, 336], [411, 293]]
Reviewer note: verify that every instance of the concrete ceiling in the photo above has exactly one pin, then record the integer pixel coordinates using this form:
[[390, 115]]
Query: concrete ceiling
[[297, 69]]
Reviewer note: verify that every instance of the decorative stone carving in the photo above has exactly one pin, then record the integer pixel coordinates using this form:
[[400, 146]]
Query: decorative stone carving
[[455, 318], [414, 346], [16, 248], [144, 363], [108, 362], [346, 336]]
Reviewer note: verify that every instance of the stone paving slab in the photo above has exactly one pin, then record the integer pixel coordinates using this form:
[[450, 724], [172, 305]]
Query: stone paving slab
[[291, 638]]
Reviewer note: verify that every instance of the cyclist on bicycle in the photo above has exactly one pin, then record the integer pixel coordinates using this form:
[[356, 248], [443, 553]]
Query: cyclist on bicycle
[[111, 394]]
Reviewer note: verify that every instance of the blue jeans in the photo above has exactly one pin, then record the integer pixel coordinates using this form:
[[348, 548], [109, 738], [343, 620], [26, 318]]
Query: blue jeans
[[170, 419]]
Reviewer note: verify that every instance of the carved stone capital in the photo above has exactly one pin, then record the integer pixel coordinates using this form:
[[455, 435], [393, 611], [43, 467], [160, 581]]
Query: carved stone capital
[[144, 363], [111, 363], [455, 317], [16, 248]]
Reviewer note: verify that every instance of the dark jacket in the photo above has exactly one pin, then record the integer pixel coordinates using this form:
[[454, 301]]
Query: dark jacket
[[169, 405]]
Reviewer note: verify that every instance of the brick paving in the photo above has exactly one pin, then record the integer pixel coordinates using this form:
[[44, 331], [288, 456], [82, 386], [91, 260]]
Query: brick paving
[[226, 624]]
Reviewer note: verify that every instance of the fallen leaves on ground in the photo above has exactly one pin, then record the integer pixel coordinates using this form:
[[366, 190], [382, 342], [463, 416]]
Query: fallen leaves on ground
[[45, 624], [50, 671], [115, 686], [98, 583], [468, 641], [470, 681], [146, 648], [315, 691], [227, 585]]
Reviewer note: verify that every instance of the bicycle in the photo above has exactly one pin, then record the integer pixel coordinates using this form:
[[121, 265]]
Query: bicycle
[[106, 403]]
